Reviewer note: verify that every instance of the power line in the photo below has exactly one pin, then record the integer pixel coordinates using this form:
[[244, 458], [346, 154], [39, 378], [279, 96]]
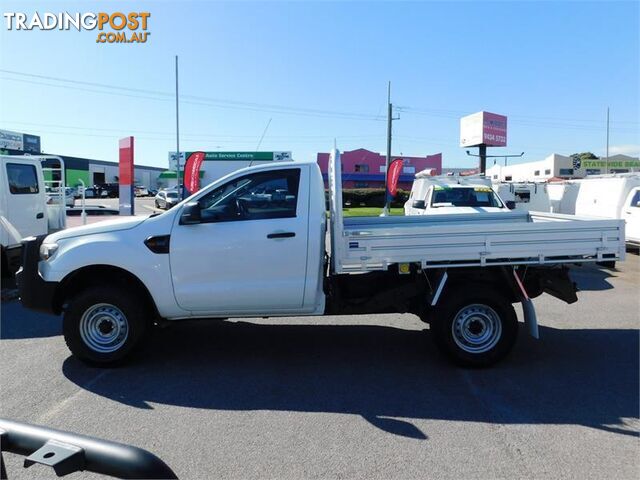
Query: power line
[[193, 99]]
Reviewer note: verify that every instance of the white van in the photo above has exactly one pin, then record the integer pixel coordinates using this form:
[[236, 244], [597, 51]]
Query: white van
[[24, 210], [612, 196], [529, 196], [631, 215]]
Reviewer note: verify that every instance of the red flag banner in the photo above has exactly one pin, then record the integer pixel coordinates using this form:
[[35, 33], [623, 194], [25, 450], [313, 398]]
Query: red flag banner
[[393, 175], [192, 171]]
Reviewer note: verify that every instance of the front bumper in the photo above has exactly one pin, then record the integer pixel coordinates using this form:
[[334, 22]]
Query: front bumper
[[35, 293]]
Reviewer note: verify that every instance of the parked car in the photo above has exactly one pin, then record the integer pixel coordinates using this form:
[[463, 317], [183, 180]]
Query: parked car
[[219, 257], [166, 199], [140, 191], [152, 192], [53, 193], [112, 189], [95, 192]]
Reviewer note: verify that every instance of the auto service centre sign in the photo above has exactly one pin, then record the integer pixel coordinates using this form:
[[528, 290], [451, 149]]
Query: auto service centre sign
[[483, 128]]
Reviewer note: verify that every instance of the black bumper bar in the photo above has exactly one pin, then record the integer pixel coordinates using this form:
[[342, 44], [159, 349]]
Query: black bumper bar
[[69, 452], [35, 293]]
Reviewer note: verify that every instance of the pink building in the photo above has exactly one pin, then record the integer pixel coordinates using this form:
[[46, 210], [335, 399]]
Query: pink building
[[362, 168]]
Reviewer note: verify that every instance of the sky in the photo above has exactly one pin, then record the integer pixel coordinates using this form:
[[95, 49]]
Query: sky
[[308, 74]]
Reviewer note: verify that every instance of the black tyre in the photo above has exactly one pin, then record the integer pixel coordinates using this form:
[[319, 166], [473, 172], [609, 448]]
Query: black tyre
[[103, 325], [475, 326]]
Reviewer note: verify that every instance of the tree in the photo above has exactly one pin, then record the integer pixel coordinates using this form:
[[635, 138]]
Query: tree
[[584, 156]]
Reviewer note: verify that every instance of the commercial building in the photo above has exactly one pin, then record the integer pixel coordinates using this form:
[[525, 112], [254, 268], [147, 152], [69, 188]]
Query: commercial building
[[90, 171], [363, 168], [561, 166]]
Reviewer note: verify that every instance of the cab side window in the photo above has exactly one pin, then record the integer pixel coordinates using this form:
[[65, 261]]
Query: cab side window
[[259, 196], [23, 179], [635, 200]]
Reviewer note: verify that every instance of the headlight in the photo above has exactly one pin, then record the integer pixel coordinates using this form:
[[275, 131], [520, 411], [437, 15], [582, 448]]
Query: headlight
[[47, 250]]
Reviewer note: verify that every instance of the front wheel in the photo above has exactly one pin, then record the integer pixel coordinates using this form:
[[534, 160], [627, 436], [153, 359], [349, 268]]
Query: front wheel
[[103, 325], [476, 328]]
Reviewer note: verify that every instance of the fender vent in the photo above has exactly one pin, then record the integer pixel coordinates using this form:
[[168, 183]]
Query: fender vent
[[158, 243]]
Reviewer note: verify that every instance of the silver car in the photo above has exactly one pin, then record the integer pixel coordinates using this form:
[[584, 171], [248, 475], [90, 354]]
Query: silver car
[[166, 199]]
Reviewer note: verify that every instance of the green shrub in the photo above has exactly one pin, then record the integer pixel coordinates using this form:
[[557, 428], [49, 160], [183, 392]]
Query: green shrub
[[369, 197]]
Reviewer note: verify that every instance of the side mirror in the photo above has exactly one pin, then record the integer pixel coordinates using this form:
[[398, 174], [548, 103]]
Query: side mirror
[[190, 214], [419, 204], [511, 205]]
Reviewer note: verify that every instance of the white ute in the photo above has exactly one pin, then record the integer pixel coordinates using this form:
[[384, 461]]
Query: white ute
[[443, 195], [231, 251], [26, 209]]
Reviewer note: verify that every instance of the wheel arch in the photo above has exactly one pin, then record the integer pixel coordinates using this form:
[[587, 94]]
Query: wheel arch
[[93, 275]]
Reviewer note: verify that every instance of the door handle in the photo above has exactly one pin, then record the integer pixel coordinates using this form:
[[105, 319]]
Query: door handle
[[281, 235], [40, 215]]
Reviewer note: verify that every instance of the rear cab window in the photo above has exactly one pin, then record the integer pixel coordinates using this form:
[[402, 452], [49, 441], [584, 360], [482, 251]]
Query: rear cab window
[[465, 197], [23, 179]]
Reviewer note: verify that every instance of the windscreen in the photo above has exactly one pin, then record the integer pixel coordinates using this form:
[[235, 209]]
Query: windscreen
[[465, 197]]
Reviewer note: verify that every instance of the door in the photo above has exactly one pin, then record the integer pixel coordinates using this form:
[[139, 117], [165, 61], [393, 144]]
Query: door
[[25, 198], [249, 251], [631, 215]]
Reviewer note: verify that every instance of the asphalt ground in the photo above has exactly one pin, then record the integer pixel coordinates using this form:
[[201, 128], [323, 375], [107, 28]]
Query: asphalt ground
[[350, 397]]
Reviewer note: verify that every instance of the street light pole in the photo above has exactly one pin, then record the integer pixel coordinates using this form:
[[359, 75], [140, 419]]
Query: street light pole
[[385, 211], [177, 135], [607, 167]]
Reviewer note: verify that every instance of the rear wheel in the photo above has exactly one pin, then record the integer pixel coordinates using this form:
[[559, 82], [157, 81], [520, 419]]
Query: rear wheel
[[476, 328], [103, 325]]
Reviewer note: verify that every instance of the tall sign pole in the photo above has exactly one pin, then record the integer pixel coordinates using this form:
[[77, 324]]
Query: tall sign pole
[[178, 135]]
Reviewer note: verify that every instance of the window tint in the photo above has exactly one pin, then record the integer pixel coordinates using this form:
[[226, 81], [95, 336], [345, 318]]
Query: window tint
[[23, 179], [259, 196], [635, 200]]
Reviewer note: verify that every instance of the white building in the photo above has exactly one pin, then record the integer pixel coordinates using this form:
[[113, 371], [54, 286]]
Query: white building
[[561, 166]]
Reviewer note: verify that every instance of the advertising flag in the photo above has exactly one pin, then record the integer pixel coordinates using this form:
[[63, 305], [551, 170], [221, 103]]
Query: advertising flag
[[393, 175], [192, 171]]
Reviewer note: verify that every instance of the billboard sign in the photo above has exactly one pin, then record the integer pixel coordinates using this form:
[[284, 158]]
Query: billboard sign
[[173, 160], [483, 128], [233, 157], [11, 140], [31, 143]]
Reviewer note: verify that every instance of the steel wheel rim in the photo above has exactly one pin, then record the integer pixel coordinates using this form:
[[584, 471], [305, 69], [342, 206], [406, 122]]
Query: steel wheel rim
[[104, 328], [476, 328]]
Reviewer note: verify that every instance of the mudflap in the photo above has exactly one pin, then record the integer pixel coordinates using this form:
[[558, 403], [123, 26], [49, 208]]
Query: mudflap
[[557, 283], [530, 318]]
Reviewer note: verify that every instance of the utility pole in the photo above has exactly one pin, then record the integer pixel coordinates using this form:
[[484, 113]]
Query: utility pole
[[607, 140], [390, 119], [180, 191]]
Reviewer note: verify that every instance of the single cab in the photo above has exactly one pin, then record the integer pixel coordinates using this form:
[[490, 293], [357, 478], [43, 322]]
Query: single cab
[[443, 195], [252, 244]]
